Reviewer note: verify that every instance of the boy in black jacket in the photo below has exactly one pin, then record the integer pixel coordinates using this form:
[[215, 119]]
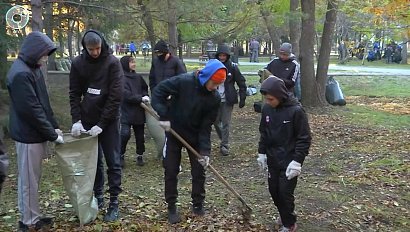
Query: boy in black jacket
[[284, 143], [132, 114]]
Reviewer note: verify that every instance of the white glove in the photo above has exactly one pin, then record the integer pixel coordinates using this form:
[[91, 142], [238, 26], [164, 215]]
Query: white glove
[[204, 161], [95, 130], [58, 131], [262, 161], [77, 129], [293, 170], [146, 100], [59, 140], [165, 124]]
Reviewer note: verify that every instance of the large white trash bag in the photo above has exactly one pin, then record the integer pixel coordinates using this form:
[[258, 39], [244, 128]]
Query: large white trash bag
[[156, 131], [77, 159]]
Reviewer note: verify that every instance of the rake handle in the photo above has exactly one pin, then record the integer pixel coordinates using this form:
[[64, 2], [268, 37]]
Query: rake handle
[[189, 147]]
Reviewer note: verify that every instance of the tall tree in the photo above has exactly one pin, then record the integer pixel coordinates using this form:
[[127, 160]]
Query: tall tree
[[37, 15], [294, 26], [172, 26]]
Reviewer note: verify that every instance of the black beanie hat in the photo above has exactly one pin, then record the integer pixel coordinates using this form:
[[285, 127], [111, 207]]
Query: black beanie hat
[[161, 46], [276, 87]]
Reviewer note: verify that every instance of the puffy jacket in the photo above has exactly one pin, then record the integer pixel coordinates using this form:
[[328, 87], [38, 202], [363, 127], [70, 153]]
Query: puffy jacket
[[234, 76], [284, 133], [288, 71], [162, 70], [96, 87], [31, 117], [134, 89]]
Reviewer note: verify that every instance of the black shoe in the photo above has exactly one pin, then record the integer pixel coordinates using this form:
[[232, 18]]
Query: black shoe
[[140, 160], [224, 151], [122, 160], [22, 227], [43, 223], [173, 214], [112, 213], [100, 202], [198, 210]]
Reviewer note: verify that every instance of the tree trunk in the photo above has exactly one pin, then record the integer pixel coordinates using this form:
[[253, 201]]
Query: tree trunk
[[325, 48], [147, 19], [172, 26], [79, 39], [294, 26], [48, 25], [272, 31], [307, 42], [3, 46], [70, 34], [36, 15], [404, 51]]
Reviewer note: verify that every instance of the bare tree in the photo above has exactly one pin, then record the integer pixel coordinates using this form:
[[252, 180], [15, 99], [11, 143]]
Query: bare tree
[[172, 26], [294, 26], [37, 15]]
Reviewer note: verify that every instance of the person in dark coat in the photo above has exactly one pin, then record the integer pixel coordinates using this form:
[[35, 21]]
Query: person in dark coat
[[229, 97], [191, 113], [96, 88], [284, 143], [32, 124], [132, 114]]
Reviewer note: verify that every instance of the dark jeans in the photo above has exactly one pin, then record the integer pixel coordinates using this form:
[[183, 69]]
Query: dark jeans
[[281, 190], [139, 137], [172, 161], [109, 148]]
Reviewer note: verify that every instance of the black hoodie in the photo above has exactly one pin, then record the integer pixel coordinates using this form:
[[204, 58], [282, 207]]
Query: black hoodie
[[96, 87], [31, 117], [134, 89]]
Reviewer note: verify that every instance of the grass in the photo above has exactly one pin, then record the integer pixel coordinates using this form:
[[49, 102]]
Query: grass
[[387, 86]]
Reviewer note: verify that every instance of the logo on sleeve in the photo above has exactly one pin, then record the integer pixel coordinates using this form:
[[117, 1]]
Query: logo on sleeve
[[285, 121], [94, 91], [267, 119]]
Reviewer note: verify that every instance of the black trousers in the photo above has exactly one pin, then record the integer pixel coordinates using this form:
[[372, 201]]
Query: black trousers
[[139, 137], [172, 161], [281, 190], [108, 148]]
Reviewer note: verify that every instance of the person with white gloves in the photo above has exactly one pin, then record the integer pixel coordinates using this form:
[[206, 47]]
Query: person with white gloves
[[132, 114], [284, 143], [191, 113], [32, 124], [96, 90]]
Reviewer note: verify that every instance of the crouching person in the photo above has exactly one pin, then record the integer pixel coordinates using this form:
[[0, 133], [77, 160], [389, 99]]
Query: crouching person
[[192, 111], [284, 143]]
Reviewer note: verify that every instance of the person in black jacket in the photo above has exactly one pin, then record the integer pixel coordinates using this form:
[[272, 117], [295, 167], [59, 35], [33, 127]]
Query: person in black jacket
[[96, 87], [284, 143], [132, 114], [191, 113], [285, 67], [229, 97], [31, 124]]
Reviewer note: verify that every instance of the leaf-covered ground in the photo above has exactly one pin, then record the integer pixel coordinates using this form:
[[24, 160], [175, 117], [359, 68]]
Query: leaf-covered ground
[[355, 179]]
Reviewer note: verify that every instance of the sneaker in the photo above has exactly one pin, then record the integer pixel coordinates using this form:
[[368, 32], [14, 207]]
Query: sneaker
[[100, 202], [140, 160], [288, 229], [224, 151], [198, 210], [173, 214], [41, 224], [112, 213], [22, 227]]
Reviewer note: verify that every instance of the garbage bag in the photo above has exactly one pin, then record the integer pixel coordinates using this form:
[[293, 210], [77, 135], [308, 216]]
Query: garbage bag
[[334, 95], [157, 133], [77, 160]]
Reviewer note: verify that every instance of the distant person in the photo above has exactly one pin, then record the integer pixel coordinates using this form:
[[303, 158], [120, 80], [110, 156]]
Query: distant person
[[132, 114], [133, 49], [229, 97], [32, 124], [96, 88], [254, 48], [388, 54]]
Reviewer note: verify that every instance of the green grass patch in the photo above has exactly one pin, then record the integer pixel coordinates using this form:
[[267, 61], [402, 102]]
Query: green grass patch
[[375, 86]]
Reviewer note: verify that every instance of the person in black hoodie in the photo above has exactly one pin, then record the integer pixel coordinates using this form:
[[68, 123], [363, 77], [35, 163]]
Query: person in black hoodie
[[229, 97], [32, 124], [284, 143], [96, 88], [191, 113], [132, 114]]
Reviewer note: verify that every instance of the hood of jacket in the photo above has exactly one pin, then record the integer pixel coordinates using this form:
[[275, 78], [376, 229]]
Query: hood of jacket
[[35, 46], [276, 87], [105, 49], [125, 63], [223, 49], [210, 68]]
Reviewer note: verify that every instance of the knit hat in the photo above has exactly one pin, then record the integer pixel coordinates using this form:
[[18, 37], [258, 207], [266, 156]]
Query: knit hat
[[208, 71], [276, 87], [161, 46], [285, 48], [219, 76]]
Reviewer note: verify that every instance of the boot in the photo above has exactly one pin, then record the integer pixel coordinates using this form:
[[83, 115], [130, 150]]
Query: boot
[[173, 214], [112, 213], [43, 223], [198, 209], [140, 160]]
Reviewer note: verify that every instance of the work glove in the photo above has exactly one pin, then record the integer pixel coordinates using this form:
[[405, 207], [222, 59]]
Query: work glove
[[146, 100], [58, 131], [204, 161], [59, 140], [165, 124], [293, 170], [95, 130], [262, 161], [77, 128], [241, 103]]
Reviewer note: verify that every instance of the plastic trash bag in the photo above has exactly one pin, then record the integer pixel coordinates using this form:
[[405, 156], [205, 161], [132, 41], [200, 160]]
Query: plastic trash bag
[[157, 133], [334, 95], [77, 160]]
